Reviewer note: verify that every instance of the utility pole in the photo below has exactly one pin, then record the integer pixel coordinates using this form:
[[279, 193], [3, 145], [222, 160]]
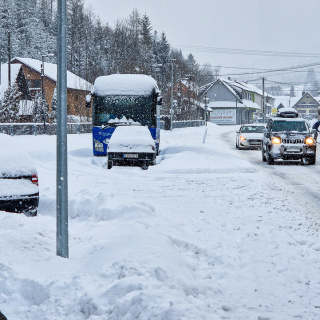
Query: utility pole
[[263, 100], [0, 59], [9, 59]]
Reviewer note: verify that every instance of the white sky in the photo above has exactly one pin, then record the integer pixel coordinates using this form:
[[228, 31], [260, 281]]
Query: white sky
[[273, 25]]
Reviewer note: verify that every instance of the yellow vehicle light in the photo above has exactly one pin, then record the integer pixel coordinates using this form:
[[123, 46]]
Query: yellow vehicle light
[[275, 140], [309, 141], [242, 138]]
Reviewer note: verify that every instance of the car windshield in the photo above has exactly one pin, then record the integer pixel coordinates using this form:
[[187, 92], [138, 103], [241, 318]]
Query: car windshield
[[252, 129], [298, 126]]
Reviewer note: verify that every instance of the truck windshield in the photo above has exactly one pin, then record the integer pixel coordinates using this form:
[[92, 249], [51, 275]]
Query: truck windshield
[[298, 126], [108, 110]]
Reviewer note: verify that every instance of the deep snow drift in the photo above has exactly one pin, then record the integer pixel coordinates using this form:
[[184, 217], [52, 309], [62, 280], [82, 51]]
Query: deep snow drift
[[204, 234]]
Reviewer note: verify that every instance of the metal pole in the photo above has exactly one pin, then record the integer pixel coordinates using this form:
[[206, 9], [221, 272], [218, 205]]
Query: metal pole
[[42, 94], [9, 59], [62, 169], [171, 104], [236, 111], [263, 102], [0, 59]]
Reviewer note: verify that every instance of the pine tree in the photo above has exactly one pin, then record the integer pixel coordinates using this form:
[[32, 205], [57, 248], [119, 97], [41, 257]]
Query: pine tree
[[10, 105], [292, 91], [40, 109], [311, 83]]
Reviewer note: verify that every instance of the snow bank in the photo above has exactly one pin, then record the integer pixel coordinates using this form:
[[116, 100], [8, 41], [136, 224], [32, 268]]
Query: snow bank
[[207, 233]]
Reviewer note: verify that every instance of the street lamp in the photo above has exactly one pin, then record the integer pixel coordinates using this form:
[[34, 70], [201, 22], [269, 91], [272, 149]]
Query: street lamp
[[206, 102], [42, 88], [171, 104]]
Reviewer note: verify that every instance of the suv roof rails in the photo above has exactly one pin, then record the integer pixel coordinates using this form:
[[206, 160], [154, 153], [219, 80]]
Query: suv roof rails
[[287, 113]]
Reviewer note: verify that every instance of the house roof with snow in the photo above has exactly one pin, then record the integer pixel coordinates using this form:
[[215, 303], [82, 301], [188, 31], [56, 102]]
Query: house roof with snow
[[50, 71], [236, 89]]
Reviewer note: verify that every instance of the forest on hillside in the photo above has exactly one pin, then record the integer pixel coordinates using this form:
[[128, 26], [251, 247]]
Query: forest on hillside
[[96, 48]]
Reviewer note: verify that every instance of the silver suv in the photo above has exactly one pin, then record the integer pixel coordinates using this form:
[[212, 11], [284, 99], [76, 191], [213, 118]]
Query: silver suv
[[288, 138]]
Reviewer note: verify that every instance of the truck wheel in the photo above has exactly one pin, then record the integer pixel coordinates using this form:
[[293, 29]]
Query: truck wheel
[[109, 164]]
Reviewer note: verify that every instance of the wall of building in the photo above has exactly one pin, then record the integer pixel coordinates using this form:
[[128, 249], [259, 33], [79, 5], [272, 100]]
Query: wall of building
[[219, 92]]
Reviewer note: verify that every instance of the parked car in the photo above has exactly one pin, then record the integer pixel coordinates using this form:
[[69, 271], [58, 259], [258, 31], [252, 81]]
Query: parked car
[[19, 190], [131, 145], [288, 138], [249, 136]]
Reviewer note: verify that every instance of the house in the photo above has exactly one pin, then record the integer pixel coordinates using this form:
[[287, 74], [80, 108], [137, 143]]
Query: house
[[234, 102], [17, 77], [77, 88], [307, 105], [186, 104]]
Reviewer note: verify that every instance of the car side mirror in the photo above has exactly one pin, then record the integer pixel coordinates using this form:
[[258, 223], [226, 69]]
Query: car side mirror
[[88, 101], [313, 131], [265, 130]]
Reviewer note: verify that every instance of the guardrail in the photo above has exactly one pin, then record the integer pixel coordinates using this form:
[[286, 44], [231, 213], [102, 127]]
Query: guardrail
[[39, 128], [82, 127], [188, 123]]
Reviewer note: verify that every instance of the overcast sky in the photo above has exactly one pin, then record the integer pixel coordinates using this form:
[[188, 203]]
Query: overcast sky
[[268, 25]]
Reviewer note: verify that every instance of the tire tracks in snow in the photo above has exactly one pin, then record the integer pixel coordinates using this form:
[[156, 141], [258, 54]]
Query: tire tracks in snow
[[303, 181]]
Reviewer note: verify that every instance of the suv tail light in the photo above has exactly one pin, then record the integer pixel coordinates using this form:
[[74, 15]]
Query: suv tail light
[[34, 179]]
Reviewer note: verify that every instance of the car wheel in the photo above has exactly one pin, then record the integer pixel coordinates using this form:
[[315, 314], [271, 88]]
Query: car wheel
[[144, 166], [110, 164], [31, 213], [312, 160]]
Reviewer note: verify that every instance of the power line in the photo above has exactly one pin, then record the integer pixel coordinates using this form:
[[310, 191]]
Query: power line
[[275, 70], [248, 52]]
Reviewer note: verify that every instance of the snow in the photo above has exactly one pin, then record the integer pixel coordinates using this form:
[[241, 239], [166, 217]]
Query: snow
[[124, 84], [233, 104], [207, 233], [132, 139], [14, 160], [50, 71]]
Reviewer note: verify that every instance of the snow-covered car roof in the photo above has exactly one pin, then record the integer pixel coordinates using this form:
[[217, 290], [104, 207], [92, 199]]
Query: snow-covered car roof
[[125, 84], [14, 161]]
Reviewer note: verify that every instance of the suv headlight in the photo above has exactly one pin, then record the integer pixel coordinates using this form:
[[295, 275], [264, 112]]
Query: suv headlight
[[275, 140], [242, 138], [309, 141]]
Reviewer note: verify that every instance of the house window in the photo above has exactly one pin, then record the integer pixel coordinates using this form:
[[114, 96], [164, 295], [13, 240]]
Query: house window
[[36, 84]]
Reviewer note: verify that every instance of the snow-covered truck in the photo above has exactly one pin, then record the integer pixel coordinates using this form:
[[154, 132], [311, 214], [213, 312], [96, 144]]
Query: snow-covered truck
[[123, 100]]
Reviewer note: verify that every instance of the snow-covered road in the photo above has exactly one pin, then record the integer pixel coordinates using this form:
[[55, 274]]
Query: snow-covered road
[[210, 232]]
